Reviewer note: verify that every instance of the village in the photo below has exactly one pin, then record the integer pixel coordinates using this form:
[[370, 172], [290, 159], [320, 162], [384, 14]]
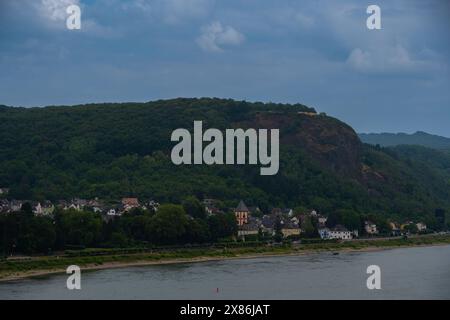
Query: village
[[252, 222], [290, 225]]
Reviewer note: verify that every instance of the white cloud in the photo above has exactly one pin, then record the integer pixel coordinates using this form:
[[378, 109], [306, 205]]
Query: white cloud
[[214, 36], [53, 15], [394, 59], [55, 10]]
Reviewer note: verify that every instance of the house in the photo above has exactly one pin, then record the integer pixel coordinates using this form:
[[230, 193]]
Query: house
[[404, 225], [276, 211], [268, 223], [4, 205], [370, 228], [95, 205], [15, 205], [250, 228], [44, 209], [113, 212], [62, 204], [395, 229], [290, 229], [212, 210], [210, 206], [295, 220], [109, 214], [322, 220], [48, 208], [75, 204], [4, 191], [152, 205], [130, 203], [96, 209], [323, 233], [241, 213], [37, 209], [338, 232], [421, 226]]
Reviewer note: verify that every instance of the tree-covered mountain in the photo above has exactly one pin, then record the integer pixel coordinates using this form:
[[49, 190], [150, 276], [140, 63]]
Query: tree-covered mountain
[[394, 139], [116, 150]]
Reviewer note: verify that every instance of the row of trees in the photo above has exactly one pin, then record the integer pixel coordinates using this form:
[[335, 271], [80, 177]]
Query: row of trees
[[170, 225]]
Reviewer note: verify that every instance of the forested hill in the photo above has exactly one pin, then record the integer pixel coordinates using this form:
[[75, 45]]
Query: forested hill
[[116, 150], [394, 139]]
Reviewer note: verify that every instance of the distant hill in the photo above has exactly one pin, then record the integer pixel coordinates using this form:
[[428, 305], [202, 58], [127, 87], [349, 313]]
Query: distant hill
[[117, 150], [394, 139]]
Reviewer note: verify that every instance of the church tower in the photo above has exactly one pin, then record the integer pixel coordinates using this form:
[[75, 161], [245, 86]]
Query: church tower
[[241, 213]]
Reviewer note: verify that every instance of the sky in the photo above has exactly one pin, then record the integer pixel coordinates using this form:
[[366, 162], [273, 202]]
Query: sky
[[319, 53]]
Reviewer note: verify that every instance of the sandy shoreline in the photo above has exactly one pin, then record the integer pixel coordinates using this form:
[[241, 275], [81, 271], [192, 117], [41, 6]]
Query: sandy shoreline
[[142, 263]]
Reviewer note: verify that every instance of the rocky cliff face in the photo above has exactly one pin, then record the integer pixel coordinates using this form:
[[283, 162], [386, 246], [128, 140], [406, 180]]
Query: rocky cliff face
[[330, 142]]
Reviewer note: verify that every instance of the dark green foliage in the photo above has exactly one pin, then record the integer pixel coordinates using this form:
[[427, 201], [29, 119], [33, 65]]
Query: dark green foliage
[[23, 233], [411, 181], [411, 228], [197, 231], [222, 226], [169, 224], [78, 228], [111, 151], [115, 150], [309, 227], [194, 208], [27, 208], [346, 217], [26, 234]]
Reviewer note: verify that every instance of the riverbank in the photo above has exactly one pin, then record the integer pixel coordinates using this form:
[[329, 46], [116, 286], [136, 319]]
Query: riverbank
[[43, 266]]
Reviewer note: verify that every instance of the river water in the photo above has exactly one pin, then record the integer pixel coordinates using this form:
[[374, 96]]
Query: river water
[[406, 273]]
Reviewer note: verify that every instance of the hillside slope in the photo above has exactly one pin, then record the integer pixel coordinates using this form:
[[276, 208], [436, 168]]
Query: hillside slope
[[116, 150]]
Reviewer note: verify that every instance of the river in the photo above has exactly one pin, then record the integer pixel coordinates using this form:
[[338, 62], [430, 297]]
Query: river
[[406, 273]]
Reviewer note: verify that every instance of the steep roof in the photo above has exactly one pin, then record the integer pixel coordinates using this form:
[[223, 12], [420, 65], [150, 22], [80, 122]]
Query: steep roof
[[241, 207], [130, 202]]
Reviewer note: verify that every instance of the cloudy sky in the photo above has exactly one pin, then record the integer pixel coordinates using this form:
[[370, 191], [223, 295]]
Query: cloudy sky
[[319, 53]]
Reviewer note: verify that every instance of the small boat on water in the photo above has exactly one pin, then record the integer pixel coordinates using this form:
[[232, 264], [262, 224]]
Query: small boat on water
[[335, 253]]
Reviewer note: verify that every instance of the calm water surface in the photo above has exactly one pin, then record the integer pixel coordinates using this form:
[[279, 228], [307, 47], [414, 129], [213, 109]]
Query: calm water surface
[[407, 273]]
